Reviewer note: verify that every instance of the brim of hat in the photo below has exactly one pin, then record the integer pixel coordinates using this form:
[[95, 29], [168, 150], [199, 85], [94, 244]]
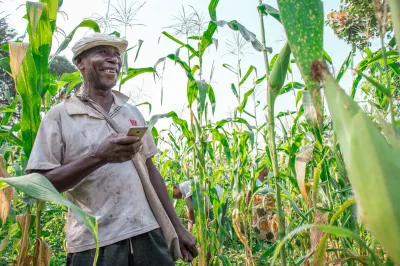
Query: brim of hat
[[121, 46]]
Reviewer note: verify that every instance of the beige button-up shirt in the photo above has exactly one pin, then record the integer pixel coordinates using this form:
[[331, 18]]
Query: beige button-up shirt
[[113, 193]]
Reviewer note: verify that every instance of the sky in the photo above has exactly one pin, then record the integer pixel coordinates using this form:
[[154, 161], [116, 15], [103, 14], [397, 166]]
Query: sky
[[156, 15]]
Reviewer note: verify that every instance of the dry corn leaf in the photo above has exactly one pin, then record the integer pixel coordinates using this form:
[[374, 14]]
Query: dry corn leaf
[[316, 234], [5, 193], [17, 54], [302, 159], [24, 259], [43, 253]]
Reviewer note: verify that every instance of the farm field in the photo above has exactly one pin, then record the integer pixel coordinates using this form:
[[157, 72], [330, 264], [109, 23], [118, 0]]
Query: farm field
[[329, 158]]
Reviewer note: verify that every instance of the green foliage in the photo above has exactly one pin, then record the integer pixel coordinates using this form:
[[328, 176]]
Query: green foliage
[[345, 159], [355, 22], [379, 177]]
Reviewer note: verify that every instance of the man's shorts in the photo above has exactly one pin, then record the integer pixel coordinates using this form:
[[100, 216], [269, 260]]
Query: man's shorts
[[143, 250]]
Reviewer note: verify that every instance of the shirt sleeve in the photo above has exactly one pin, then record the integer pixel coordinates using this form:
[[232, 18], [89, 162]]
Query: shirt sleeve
[[48, 149], [149, 148]]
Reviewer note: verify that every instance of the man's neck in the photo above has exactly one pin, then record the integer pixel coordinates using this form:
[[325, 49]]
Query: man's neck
[[102, 97]]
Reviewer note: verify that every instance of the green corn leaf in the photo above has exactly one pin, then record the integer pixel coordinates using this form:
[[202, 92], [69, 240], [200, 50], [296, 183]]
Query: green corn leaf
[[233, 87], [202, 86], [5, 63], [230, 68], [145, 103], [180, 62], [211, 97], [245, 99], [251, 69], [392, 56], [304, 24], [6, 110], [327, 57], [67, 78], [320, 250], [25, 77], [291, 86], [190, 48], [192, 91], [133, 72], [246, 34], [224, 141], [39, 187], [376, 84], [270, 10], [345, 66], [337, 231], [212, 9], [207, 38], [42, 22], [7, 117], [373, 165], [140, 43], [88, 23]]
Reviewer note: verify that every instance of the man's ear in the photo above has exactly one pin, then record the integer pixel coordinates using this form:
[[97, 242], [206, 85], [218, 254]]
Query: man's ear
[[79, 63]]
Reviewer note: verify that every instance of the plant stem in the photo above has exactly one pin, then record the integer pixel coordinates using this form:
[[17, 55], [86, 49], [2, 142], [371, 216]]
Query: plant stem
[[38, 216], [265, 53], [272, 145], [395, 11], [381, 27]]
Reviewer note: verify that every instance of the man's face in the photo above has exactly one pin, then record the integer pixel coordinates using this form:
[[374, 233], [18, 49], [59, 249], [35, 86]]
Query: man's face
[[177, 194], [265, 171], [100, 66]]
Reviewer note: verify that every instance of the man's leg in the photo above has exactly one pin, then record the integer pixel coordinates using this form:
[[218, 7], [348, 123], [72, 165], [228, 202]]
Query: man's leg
[[114, 254], [150, 249]]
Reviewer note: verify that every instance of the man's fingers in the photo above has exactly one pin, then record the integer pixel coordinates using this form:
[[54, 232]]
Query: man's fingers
[[122, 139], [184, 253], [132, 148], [190, 257], [193, 249]]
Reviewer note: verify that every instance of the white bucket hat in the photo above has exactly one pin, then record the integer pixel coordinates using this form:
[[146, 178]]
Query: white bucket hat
[[98, 39]]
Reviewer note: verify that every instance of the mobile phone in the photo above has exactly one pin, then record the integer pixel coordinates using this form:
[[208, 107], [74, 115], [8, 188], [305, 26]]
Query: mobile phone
[[138, 131]]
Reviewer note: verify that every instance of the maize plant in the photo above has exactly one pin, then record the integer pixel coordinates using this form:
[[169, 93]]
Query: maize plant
[[333, 169]]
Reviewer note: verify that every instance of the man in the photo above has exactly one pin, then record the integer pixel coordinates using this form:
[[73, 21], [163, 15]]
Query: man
[[184, 191], [78, 151], [264, 223]]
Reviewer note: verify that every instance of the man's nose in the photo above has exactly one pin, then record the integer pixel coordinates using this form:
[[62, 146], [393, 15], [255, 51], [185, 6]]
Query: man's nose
[[113, 59]]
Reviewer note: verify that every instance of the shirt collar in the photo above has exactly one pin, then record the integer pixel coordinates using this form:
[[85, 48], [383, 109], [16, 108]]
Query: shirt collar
[[74, 106]]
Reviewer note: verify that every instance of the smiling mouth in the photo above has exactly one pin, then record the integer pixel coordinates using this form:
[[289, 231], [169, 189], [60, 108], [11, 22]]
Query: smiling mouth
[[109, 71]]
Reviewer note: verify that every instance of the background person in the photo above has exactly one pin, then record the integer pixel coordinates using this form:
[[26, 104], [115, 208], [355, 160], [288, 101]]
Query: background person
[[264, 220], [184, 191]]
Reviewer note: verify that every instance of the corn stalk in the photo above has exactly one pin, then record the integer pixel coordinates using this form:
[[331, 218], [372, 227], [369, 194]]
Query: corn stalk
[[275, 83]]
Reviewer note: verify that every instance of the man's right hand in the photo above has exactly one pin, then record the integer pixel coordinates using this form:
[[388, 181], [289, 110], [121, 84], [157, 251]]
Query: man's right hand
[[118, 148]]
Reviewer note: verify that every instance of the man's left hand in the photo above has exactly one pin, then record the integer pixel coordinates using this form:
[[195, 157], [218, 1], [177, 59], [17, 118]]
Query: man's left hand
[[187, 244]]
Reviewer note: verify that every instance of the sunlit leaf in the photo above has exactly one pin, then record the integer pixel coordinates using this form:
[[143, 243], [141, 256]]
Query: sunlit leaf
[[359, 140], [304, 24], [25, 77], [39, 187]]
